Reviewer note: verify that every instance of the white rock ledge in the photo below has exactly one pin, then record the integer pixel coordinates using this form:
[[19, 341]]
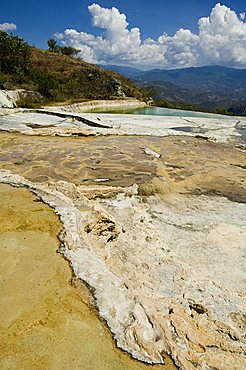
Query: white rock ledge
[[46, 122], [131, 103]]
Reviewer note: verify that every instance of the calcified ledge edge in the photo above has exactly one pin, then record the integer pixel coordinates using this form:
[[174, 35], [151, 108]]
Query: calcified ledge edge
[[134, 330], [91, 269]]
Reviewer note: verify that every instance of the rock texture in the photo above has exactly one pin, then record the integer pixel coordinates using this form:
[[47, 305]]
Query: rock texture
[[8, 98], [100, 104], [162, 245], [47, 320], [167, 273], [55, 121]]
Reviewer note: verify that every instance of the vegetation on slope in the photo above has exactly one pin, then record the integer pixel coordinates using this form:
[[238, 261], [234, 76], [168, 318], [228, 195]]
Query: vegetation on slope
[[56, 76], [66, 50]]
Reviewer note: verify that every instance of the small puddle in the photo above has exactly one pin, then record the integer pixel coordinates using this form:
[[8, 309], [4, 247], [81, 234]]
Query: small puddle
[[45, 321], [195, 130], [241, 128], [38, 126]]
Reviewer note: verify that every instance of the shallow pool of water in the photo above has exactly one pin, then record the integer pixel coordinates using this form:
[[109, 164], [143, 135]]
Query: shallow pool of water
[[156, 111]]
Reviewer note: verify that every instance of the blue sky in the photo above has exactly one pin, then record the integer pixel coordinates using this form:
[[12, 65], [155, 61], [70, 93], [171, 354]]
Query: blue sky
[[39, 21]]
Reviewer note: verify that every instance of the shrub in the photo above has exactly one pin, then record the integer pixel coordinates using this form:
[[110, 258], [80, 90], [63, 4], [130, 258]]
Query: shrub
[[29, 102], [65, 50], [45, 83], [3, 79], [15, 54]]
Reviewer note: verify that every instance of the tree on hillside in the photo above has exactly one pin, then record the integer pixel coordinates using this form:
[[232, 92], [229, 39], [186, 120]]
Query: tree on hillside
[[53, 47], [15, 54], [65, 50], [68, 50]]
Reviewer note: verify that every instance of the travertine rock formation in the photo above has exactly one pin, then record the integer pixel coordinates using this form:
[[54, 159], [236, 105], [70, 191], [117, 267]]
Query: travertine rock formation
[[8, 98], [164, 258], [58, 121], [167, 273]]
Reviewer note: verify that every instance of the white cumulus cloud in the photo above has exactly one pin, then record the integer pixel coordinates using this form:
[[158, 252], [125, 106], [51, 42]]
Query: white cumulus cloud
[[7, 26], [221, 40]]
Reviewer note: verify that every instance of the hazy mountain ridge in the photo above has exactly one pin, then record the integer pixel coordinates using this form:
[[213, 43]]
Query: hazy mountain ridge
[[211, 87]]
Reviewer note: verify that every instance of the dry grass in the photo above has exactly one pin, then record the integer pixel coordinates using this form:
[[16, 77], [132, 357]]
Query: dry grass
[[153, 187], [91, 81], [60, 78]]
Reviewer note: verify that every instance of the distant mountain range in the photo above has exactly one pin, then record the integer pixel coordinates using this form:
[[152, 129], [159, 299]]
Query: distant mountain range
[[212, 88], [129, 72]]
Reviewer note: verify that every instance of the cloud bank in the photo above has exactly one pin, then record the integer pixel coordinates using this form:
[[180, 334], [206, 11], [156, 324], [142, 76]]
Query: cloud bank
[[221, 40], [7, 27]]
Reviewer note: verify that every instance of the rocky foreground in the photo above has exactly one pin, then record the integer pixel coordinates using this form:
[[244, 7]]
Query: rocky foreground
[[66, 121], [50, 323], [154, 225]]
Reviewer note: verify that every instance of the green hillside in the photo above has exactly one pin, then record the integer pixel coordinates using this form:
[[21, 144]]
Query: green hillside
[[57, 77]]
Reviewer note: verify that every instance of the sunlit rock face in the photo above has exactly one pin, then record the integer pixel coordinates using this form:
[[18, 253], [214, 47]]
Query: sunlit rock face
[[5, 101], [9, 98], [175, 256]]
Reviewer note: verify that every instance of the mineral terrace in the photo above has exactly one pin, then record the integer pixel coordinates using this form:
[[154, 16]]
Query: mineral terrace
[[153, 216]]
